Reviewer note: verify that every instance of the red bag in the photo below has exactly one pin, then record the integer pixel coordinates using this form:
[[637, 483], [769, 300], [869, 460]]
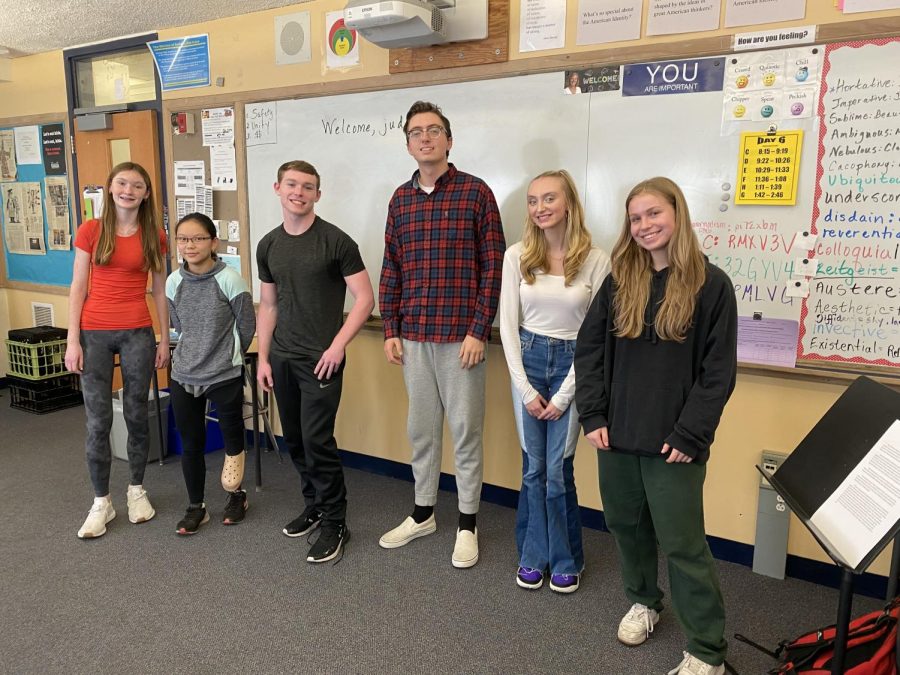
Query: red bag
[[871, 645]]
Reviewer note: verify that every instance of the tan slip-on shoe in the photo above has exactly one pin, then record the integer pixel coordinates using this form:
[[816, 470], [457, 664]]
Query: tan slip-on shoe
[[406, 531], [465, 553]]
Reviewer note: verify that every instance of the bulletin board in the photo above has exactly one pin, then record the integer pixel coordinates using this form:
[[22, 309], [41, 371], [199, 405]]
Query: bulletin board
[[35, 201], [185, 143]]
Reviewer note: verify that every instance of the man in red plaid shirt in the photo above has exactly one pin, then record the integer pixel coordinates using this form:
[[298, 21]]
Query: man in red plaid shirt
[[440, 284]]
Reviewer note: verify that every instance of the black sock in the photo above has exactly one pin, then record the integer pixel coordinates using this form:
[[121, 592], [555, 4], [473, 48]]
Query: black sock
[[467, 521], [422, 513]]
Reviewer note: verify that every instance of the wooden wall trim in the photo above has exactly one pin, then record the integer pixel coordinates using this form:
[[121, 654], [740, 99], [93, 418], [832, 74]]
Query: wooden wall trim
[[27, 120], [492, 49], [37, 288]]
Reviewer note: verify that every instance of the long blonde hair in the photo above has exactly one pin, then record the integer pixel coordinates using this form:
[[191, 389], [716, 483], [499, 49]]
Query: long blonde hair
[[147, 222], [632, 269], [577, 238]]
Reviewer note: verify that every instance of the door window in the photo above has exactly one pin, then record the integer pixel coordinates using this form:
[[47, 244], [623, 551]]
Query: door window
[[112, 79]]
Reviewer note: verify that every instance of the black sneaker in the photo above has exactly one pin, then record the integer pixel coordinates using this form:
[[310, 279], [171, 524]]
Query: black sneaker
[[303, 524], [330, 543], [194, 517], [235, 507]]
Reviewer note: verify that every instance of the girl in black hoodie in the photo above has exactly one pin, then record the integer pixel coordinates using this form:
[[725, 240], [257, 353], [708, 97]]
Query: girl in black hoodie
[[655, 363]]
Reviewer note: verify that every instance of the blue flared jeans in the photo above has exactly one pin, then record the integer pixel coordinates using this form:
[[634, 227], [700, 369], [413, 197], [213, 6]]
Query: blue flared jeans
[[548, 523]]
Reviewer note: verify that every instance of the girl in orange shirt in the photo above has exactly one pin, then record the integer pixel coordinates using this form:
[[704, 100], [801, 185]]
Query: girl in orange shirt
[[108, 315]]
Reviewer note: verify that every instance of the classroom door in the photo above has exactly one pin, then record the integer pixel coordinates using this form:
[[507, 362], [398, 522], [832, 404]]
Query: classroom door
[[134, 137]]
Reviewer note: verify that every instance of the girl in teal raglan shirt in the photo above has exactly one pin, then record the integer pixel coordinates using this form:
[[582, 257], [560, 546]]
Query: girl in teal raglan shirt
[[211, 308]]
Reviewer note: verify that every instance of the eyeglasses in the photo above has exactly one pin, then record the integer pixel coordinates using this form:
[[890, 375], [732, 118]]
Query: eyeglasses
[[432, 132], [191, 240]]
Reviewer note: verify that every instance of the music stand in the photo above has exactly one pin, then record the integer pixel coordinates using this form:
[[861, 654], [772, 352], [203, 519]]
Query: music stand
[[819, 465]]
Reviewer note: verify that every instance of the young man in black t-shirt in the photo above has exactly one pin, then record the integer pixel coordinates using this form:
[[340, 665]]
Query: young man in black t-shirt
[[305, 267]]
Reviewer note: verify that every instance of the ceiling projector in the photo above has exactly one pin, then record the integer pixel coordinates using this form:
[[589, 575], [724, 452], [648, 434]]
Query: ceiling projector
[[397, 23]]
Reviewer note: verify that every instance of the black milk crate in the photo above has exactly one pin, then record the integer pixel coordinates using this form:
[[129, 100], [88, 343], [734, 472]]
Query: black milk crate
[[37, 334], [44, 396]]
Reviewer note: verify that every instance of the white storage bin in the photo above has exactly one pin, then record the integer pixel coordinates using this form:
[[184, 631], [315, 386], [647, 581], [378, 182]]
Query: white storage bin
[[118, 435]]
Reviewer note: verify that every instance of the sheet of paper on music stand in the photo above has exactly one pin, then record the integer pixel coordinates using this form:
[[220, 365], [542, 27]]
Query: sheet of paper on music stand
[[858, 515]]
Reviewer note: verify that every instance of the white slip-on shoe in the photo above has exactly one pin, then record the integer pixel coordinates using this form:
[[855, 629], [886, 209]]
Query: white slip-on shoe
[[406, 531], [636, 626], [100, 514], [465, 553], [139, 508]]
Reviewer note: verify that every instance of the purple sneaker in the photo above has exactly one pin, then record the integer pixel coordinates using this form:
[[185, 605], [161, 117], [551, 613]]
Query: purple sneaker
[[564, 583], [530, 578]]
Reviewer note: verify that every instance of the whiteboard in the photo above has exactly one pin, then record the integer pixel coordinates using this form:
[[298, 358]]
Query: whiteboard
[[505, 131]]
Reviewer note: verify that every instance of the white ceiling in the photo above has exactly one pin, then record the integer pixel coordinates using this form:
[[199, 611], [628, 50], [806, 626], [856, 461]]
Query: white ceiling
[[33, 26]]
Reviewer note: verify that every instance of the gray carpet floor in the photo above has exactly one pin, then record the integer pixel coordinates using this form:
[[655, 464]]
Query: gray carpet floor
[[242, 599]]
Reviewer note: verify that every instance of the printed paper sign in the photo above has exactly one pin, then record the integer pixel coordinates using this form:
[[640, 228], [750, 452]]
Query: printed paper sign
[[602, 21], [768, 168], [682, 16]]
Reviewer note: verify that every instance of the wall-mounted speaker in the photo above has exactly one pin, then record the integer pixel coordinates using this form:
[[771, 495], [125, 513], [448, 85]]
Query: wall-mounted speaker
[[292, 38]]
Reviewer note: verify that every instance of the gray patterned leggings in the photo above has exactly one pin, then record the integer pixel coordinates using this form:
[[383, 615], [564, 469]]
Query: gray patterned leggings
[[136, 348]]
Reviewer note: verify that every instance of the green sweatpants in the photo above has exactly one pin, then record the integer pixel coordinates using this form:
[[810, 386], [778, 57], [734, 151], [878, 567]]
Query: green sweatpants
[[646, 500]]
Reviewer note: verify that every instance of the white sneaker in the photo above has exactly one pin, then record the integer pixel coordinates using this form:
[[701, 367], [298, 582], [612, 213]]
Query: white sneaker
[[465, 552], [636, 626], [100, 514], [691, 665], [139, 508], [406, 531]]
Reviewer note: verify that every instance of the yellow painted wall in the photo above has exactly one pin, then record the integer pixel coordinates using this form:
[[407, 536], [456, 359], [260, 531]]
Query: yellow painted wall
[[242, 50], [19, 307], [38, 86], [766, 411]]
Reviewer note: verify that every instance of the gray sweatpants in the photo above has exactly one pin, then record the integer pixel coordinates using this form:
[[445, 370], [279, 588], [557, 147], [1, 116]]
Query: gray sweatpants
[[136, 348], [436, 382]]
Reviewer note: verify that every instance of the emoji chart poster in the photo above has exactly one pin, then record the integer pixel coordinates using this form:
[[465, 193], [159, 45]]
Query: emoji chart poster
[[341, 43], [770, 87]]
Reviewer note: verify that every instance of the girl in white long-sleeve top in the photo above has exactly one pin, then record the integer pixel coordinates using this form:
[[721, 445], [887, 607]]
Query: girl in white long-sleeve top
[[549, 279]]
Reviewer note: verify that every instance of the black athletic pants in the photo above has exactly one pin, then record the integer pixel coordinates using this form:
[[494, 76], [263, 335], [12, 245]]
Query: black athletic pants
[[307, 408]]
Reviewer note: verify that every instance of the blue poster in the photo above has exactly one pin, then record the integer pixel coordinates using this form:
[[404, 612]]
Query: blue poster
[[182, 63], [673, 77]]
